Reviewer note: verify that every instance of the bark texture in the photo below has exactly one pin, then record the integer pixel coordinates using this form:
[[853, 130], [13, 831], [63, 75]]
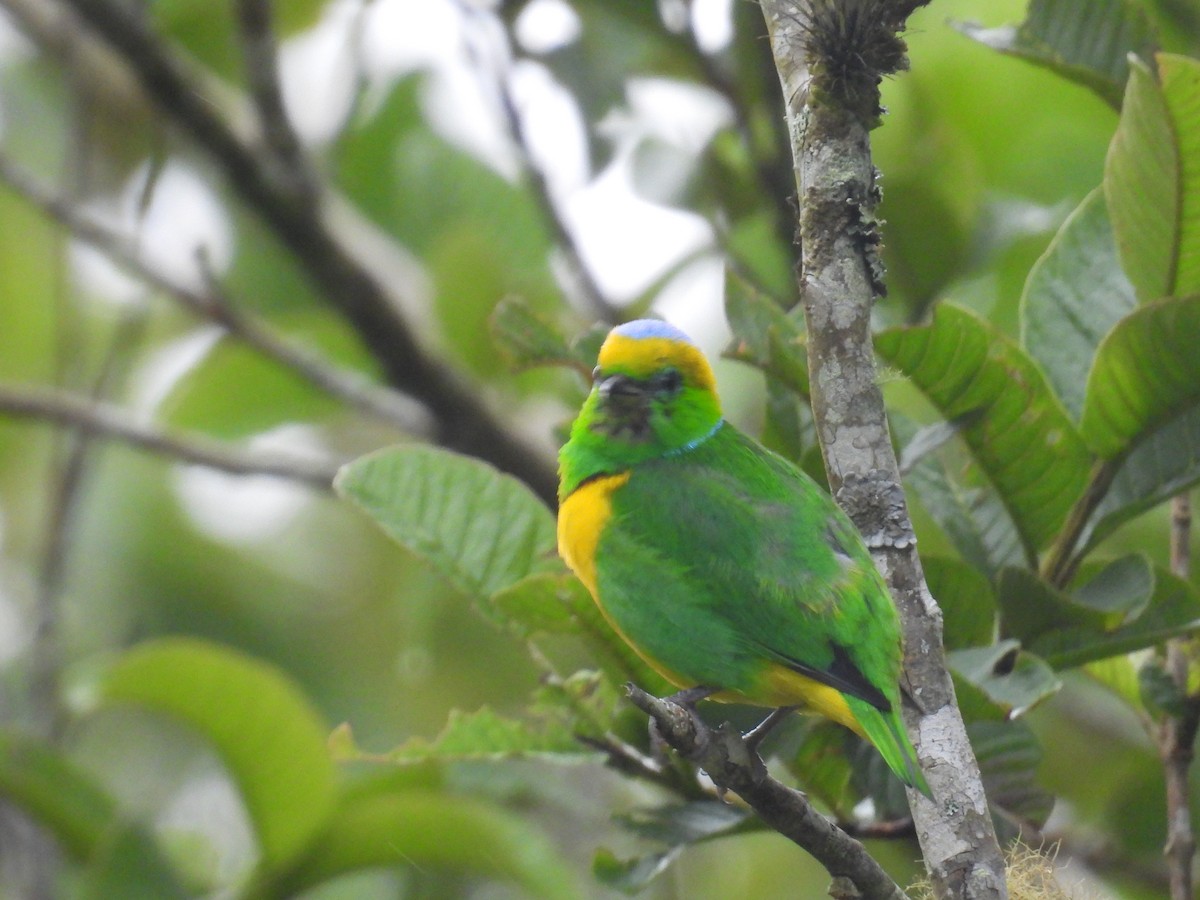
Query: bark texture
[[831, 56]]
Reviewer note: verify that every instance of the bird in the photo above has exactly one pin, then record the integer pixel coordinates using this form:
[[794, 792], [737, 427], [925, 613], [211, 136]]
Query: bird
[[722, 564]]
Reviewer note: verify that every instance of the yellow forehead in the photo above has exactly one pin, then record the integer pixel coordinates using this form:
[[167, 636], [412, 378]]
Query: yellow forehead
[[644, 356]]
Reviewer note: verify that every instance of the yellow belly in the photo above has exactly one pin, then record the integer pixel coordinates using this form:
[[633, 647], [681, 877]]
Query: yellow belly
[[581, 520]]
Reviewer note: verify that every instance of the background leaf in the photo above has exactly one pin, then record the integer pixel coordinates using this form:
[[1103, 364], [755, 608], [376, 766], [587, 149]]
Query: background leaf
[[258, 721], [964, 366], [1075, 294], [122, 859], [1152, 179], [430, 829], [480, 529], [1087, 41], [1146, 373]]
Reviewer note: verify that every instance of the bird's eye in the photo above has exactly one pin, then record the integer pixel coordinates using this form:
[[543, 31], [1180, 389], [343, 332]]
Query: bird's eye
[[669, 381]]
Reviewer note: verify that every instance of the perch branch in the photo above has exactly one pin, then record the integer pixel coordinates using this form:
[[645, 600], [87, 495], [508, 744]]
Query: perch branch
[[357, 292], [731, 764], [831, 57], [106, 420]]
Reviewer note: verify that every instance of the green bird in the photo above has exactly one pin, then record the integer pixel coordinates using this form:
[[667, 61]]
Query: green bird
[[723, 565]]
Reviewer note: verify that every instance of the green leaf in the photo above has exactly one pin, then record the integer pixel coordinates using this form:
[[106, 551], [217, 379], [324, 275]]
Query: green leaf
[[1008, 755], [1009, 677], [1146, 373], [677, 827], [765, 336], [121, 859], [212, 398], [1158, 468], [966, 598], [1152, 179], [1097, 622], [1087, 41], [529, 340], [431, 829], [268, 735], [822, 764], [1022, 439], [558, 603], [209, 31], [487, 735], [481, 529], [1075, 294], [972, 517]]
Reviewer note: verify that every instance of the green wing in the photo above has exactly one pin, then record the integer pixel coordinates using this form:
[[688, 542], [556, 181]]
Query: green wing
[[723, 557]]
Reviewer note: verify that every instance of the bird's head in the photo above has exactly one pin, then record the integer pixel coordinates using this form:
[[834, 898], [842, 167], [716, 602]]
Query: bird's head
[[653, 393]]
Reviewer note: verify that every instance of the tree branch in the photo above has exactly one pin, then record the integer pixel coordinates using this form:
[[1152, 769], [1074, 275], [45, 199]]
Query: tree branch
[[464, 422], [106, 420], [262, 73], [1177, 735], [733, 766], [352, 388], [831, 56]]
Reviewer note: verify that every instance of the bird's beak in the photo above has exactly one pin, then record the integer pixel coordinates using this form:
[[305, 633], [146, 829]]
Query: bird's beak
[[619, 387]]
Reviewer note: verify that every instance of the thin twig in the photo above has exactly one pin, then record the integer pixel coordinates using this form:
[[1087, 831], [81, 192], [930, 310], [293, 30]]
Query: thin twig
[[353, 388], [106, 420], [360, 294], [500, 76], [260, 57], [1177, 736], [724, 755]]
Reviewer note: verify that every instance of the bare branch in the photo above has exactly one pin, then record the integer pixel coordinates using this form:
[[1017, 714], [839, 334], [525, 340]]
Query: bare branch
[[500, 76], [464, 422], [733, 766], [351, 387], [106, 420], [262, 73], [1177, 734], [831, 57]]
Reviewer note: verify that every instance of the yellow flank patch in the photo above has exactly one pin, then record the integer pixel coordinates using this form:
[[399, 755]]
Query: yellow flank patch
[[642, 357], [781, 686], [581, 519]]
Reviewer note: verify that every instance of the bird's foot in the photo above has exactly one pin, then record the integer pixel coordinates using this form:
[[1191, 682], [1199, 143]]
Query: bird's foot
[[759, 732]]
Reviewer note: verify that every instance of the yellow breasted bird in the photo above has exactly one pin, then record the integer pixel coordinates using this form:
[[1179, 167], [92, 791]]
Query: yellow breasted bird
[[722, 564]]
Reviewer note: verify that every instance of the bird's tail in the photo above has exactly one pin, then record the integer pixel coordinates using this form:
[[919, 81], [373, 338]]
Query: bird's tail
[[886, 731]]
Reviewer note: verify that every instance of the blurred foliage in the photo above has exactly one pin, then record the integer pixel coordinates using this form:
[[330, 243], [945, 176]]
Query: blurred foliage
[[207, 633]]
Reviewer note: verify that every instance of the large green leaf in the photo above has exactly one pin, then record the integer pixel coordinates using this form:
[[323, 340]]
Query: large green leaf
[[1088, 41], [1104, 618], [971, 516], [122, 860], [967, 601], [1075, 294], [479, 528], [1019, 434], [263, 728], [1146, 373], [675, 827], [431, 829], [1011, 678], [1008, 755], [1157, 469], [1152, 179], [765, 336]]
